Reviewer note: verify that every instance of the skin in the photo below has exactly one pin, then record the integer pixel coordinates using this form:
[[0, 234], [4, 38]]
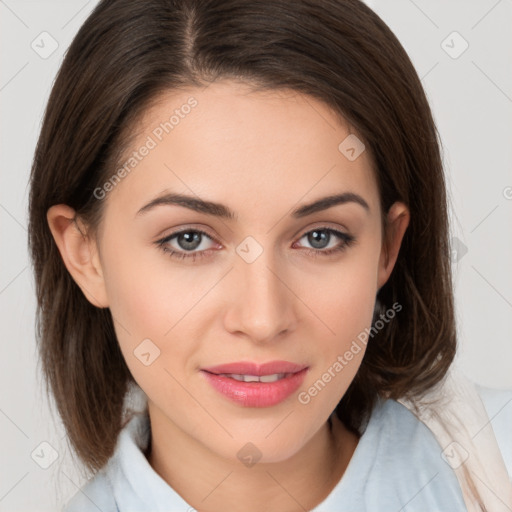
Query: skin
[[262, 154]]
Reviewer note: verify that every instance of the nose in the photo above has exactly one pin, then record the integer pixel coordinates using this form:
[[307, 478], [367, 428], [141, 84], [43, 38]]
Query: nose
[[262, 305]]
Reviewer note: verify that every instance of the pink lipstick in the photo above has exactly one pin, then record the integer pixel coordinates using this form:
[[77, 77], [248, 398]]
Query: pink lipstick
[[256, 385]]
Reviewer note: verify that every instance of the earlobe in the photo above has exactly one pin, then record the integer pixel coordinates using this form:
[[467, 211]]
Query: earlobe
[[397, 220], [79, 253]]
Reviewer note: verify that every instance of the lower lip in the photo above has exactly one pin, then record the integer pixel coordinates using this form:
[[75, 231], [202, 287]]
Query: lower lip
[[256, 394]]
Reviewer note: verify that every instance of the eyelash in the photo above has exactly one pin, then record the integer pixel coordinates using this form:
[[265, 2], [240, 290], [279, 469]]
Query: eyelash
[[347, 241]]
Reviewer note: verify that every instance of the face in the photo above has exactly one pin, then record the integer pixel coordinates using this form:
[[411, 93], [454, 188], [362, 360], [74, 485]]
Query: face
[[246, 270]]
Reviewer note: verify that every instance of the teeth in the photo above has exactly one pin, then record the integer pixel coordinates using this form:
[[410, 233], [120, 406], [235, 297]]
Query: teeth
[[249, 378], [255, 378]]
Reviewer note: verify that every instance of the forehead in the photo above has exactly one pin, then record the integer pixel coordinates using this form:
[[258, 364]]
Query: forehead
[[228, 143]]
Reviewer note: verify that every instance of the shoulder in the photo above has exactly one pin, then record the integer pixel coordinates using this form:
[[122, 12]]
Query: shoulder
[[95, 495], [400, 435], [397, 465], [409, 463], [397, 430]]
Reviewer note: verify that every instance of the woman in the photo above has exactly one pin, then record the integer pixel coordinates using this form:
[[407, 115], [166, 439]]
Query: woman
[[238, 219]]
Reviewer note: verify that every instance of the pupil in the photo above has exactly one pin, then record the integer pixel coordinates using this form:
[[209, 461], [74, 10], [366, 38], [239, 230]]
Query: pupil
[[189, 240], [318, 239]]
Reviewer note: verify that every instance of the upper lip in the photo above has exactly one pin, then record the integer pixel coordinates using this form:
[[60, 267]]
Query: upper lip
[[257, 369]]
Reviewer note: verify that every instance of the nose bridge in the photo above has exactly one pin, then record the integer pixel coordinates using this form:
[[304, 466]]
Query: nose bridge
[[262, 306]]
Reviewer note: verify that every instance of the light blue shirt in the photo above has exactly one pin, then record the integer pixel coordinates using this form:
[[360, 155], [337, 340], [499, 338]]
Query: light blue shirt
[[396, 467]]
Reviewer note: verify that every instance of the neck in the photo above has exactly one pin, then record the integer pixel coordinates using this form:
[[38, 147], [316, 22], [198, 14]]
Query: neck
[[209, 482]]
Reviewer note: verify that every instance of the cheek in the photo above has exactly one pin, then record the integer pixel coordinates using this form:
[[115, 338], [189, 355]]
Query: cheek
[[139, 302], [157, 309], [343, 301], [342, 298], [147, 294]]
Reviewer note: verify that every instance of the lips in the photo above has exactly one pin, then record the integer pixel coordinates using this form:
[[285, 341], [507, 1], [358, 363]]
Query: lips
[[256, 385]]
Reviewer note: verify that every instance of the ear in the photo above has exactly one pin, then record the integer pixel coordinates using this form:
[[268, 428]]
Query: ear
[[79, 253], [397, 220]]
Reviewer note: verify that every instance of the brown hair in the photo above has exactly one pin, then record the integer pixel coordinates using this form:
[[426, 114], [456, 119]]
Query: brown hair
[[339, 51]]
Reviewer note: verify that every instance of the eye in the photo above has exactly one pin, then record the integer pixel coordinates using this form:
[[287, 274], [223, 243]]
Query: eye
[[177, 245], [193, 243], [323, 241]]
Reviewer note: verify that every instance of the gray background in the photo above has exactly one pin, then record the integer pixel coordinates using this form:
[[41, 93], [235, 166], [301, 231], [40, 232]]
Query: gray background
[[471, 96]]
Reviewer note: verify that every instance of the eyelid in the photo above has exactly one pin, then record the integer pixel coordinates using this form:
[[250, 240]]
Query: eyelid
[[200, 228], [323, 225]]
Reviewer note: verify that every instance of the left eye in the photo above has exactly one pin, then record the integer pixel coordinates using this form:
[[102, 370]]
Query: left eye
[[320, 238], [191, 243]]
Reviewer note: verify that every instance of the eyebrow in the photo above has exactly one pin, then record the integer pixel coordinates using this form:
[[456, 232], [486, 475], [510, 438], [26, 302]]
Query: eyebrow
[[222, 211]]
